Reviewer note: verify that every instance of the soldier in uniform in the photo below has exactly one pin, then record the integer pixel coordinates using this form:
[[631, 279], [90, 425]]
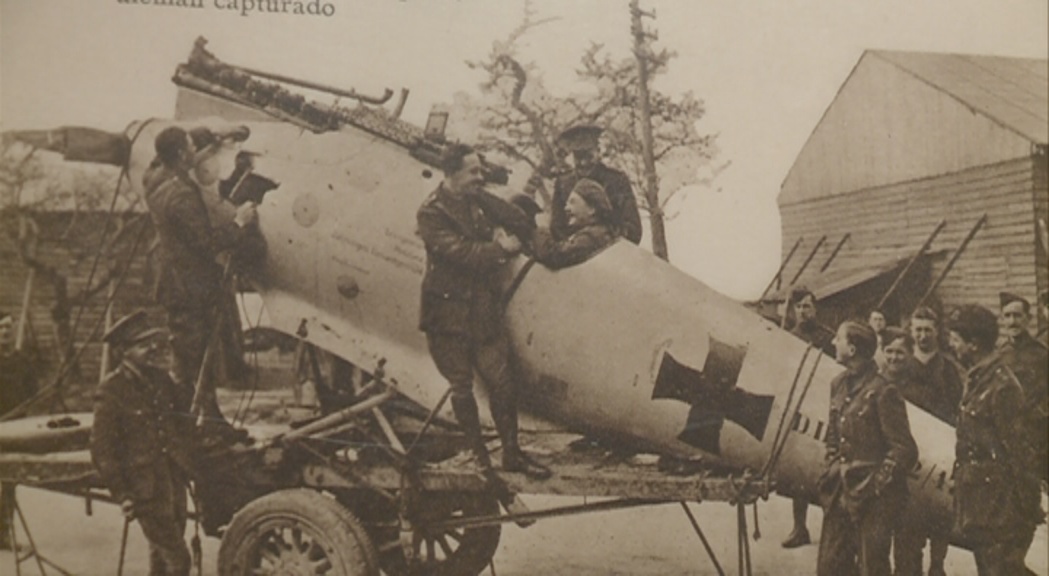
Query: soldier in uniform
[[863, 488], [582, 142], [812, 331], [588, 214], [17, 384], [138, 441], [190, 285], [914, 527], [996, 499], [460, 312], [1029, 360]]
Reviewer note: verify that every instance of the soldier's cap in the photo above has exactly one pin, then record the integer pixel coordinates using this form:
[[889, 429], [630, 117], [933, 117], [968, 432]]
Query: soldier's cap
[[130, 329], [594, 194], [581, 137], [1007, 298]]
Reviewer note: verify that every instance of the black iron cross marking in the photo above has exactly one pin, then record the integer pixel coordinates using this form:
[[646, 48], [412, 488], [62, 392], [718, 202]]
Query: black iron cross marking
[[713, 395]]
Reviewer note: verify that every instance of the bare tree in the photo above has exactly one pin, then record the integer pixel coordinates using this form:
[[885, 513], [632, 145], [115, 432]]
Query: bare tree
[[32, 187], [519, 119]]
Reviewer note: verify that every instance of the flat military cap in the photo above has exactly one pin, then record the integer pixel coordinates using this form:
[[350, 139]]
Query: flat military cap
[[1007, 298], [130, 329], [582, 137]]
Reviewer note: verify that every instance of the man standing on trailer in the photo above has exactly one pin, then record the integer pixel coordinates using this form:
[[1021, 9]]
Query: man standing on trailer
[[139, 441], [190, 286], [460, 311]]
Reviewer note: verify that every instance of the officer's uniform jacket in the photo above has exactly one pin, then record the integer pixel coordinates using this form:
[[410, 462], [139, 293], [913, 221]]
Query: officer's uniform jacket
[[995, 489], [625, 218], [1029, 360], [138, 439], [460, 291], [936, 387], [575, 249], [869, 443], [189, 275]]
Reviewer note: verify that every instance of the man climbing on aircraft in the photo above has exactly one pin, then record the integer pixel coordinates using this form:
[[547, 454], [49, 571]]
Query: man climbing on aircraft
[[191, 284], [460, 305]]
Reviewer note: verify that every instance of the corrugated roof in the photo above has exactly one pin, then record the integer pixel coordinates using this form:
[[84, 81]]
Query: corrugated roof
[[1014, 92]]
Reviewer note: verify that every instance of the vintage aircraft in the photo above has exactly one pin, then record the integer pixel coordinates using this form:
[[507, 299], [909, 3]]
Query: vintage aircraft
[[623, 346]]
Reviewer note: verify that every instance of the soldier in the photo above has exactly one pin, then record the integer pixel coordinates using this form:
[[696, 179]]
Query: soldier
[[809, 329], [137, 441], [17, 384], [460, 305], [996, 499], [588, 214], [1029, 360], [190, 285], [939, 375], [869, 451], [582, 142], [914, 527]]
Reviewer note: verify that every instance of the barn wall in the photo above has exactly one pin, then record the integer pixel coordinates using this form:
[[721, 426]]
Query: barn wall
[[895, 220], [67, 244]]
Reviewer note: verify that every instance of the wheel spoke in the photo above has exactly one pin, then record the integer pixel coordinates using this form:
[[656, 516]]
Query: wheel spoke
[[322, 566], [456, 535], [444, 546], [430, 552], [296, 538]]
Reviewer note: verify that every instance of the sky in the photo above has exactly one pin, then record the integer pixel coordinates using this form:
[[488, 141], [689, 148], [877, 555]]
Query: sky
[[766, 71]]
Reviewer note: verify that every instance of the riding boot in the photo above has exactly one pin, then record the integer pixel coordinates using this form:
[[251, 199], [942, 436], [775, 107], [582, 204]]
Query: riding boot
[[514, 459], [465, 409]]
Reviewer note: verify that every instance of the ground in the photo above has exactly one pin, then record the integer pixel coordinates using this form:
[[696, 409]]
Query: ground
[[641, 542]]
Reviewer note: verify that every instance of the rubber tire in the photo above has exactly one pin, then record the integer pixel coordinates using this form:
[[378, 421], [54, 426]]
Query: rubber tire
[[347, 544], [471, 557]]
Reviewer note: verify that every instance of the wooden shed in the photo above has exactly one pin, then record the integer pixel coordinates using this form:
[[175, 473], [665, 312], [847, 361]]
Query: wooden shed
[[910, 140]]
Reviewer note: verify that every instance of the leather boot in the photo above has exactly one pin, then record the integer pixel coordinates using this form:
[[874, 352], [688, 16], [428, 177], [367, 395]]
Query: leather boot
[[465, 409]]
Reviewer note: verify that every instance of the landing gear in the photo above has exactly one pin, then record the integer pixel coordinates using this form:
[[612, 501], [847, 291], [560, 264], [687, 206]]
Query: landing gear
[[296, 532]]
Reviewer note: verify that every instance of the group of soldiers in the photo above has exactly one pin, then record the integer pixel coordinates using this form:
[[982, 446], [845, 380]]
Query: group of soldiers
[[991, 387]]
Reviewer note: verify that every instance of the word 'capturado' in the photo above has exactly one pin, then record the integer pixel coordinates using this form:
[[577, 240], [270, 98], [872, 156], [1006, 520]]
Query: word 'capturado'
[[246, 7]]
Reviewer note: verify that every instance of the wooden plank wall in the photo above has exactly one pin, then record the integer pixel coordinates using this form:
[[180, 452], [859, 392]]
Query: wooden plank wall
[[894, 220], [69, 245]]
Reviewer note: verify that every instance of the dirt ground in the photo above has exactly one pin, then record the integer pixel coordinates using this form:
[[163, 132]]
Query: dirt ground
[[652, 541]]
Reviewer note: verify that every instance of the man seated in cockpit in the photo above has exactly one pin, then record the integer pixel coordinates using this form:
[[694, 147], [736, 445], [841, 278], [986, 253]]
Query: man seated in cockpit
[[589, 211]]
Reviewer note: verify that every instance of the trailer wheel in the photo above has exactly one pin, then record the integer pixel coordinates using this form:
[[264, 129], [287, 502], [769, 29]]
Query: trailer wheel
[[296, 532], [446, 552]]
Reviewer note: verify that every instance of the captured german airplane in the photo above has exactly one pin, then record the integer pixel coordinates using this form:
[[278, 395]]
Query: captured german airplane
[[623, 346]]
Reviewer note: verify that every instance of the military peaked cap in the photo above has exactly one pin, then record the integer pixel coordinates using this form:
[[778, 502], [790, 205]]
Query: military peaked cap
[[1007, 298], [130, 329], [582, 137]]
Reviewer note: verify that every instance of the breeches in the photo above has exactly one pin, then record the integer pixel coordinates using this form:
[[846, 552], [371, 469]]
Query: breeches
[[163, 522], [858, 547], [458, 356], [1004, 557]]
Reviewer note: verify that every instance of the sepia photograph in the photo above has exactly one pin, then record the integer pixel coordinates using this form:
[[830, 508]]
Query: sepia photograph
[[527, 287]]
